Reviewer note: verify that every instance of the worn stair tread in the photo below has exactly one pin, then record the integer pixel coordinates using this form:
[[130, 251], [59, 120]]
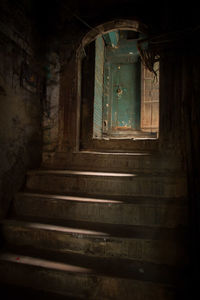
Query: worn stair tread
[[78, 263], [100, 230], [98, 183], [81, 285], [146, 211], [103, 199], [114, 161]]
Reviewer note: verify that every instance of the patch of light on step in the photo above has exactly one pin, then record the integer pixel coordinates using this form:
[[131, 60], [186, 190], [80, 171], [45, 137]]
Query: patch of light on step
[[86, 173], [79, 199], [91, 200], [67, 229], [43, 263], [73, 198]]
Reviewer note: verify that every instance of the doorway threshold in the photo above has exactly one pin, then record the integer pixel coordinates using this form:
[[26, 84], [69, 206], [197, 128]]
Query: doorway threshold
[[129, 138], [111, 152], [133, 135]]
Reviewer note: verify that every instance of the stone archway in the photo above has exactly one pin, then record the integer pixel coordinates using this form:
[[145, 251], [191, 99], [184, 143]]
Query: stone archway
[[86, 135]]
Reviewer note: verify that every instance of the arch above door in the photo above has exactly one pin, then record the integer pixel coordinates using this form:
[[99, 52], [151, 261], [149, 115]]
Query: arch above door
[[87, 78]]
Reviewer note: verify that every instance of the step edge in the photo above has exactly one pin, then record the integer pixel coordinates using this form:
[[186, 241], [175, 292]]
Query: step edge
[[135, 200], [146, 234], [136, 275]]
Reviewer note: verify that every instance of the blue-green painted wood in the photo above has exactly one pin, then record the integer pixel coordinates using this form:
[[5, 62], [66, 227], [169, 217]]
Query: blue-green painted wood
[[98, 88], [125, 101], [126, 48], [111, 38], [122, 81]]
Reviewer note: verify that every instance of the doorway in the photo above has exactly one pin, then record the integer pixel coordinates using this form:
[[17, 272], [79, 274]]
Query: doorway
[[110, 71], [120, 108]]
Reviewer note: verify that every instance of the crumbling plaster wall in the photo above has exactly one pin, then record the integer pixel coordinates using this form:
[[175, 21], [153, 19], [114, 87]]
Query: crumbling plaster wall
[[51, 105], [20, 106]]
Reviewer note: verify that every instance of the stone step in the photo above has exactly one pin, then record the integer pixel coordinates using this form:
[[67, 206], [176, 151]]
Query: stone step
[[98, 183], [156, 245], [13, 291], [105, 161], [163, 212], [96, 280]]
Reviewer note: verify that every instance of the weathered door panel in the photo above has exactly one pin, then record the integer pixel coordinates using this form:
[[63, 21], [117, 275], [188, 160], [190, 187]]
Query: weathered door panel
[[150, 101], [125, 101], [98, 87]]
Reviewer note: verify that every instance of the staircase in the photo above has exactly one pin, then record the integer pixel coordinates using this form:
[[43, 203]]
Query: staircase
[[110, 227]]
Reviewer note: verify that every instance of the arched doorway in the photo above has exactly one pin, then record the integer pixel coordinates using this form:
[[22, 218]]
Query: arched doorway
[[119, 96]]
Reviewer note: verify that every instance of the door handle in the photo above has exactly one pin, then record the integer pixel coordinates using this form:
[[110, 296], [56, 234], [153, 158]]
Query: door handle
[[119, 91]]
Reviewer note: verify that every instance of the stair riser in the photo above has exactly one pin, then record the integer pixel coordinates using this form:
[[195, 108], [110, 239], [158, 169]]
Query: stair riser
[[169, 216], [112, 162], [88, 286], [98, 185], [156, 251]]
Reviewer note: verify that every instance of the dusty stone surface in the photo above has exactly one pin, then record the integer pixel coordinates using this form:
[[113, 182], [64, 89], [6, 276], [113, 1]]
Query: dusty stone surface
[[20, 112], [136, 211], [136, 184]]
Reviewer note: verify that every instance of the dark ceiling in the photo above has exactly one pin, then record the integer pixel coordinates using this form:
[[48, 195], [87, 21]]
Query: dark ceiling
[[58, 17], [159, 15]]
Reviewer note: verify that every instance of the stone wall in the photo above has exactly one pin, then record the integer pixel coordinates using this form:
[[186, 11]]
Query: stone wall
[[20, 104], [51, 105]]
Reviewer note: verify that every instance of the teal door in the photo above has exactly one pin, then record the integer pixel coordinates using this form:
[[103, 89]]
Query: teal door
[[125, 102], [122, 97]]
